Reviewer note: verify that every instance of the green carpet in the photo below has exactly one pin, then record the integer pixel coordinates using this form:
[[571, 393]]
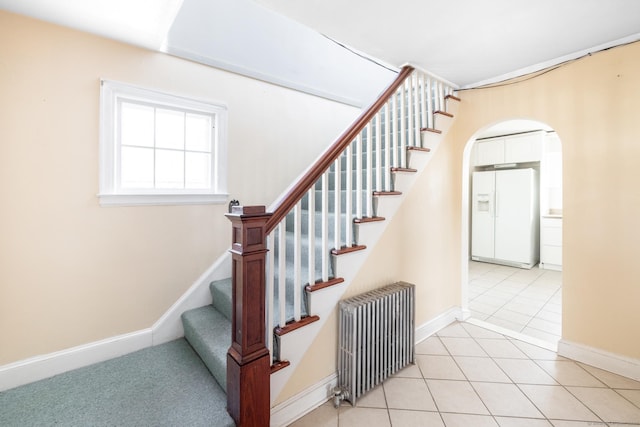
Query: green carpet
[[166, 385]]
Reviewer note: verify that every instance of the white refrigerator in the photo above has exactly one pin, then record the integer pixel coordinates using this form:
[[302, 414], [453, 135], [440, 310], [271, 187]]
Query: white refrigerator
[[505, 218]]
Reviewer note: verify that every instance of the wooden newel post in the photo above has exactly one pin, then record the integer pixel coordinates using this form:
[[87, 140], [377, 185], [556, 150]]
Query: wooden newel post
[[248, 370]]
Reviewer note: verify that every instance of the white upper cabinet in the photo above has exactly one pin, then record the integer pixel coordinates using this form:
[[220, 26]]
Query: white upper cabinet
[[490, 151], [523, 148], [526, 147]]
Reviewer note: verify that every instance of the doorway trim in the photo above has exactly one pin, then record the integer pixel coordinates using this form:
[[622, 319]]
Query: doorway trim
[[465, 239]]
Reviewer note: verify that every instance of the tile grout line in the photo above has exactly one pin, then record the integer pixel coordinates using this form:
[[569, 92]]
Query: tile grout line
[[465, 375], [386, 402], [538, 312], [468, 331], [496, 284], [506, 302], [574, 396], [427, 384], [529, 284], [616, 390], [513, 382]]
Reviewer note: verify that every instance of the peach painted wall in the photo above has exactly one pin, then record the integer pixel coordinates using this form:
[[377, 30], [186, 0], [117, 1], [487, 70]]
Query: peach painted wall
[[72, 272], [592, 103]]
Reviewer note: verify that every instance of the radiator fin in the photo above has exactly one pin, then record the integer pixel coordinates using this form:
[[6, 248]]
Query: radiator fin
[[376, 337]]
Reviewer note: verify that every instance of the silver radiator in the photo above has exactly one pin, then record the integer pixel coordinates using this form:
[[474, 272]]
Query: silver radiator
[[376, 338]]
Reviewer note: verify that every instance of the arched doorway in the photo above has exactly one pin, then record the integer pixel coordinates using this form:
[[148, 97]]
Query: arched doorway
[[512, 240]]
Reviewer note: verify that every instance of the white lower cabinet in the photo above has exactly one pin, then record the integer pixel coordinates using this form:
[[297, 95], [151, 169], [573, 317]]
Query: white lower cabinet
[[551, 243]]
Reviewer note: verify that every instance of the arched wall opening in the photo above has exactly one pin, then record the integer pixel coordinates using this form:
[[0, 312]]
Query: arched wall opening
[[522, 302]]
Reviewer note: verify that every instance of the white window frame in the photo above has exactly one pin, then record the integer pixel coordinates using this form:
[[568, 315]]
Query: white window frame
[[111, 93]]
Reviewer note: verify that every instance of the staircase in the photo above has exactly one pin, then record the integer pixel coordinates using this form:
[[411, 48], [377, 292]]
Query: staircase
[[208, 330], [319, 232]]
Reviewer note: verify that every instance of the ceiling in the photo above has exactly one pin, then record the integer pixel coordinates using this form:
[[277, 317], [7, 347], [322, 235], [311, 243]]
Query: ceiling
[[468, 42], [350, 50]]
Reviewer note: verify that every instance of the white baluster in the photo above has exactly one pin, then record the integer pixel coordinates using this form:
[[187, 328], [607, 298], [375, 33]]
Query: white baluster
[[387, 149], [325, 226], [409, 85], [348, 206], [378, 141], [416, 109], [282, 272], [270, 309], [423, 101], [337, 187], [297, 260], [403, 128], [430, 103], [311, 223], [369, 167], [359, 176], [394, 124]]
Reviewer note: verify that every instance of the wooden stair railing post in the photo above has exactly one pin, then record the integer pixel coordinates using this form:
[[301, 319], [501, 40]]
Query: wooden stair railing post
[[248, 367]]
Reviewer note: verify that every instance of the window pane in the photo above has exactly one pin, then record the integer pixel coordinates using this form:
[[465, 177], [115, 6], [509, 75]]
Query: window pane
[[198, 174], [136, 167], [169, 129], [169, 169], [136, 126], [198, 132]]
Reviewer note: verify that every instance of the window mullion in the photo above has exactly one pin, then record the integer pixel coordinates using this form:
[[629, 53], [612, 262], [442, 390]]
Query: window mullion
[[117, 161], [184, 149], [155, 147], [213, 153]]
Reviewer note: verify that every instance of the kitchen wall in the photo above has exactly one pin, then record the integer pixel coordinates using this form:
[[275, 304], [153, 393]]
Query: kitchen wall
[[590, 104], [72, 272]]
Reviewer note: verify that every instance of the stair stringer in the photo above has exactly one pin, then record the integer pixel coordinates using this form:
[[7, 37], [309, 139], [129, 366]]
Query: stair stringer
[[169, 326], [294, 345]]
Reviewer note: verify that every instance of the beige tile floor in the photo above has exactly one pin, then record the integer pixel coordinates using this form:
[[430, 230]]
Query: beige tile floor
[[525, 301], [468, 376]]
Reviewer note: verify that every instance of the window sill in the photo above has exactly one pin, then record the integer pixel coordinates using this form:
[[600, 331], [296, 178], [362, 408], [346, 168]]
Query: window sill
[[160, 199]]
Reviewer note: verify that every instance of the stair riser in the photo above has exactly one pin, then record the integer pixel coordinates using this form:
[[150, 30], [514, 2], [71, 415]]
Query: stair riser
[[442, 122], [209, 333], [221, 296]]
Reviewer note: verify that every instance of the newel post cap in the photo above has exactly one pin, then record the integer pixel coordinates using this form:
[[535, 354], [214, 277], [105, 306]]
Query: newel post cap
[[246, 211]]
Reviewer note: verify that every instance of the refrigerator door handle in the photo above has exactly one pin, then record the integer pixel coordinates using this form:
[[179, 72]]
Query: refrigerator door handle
[[497, 198]]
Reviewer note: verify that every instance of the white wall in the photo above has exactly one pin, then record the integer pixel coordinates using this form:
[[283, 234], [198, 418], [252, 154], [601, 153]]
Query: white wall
[[244, 37]]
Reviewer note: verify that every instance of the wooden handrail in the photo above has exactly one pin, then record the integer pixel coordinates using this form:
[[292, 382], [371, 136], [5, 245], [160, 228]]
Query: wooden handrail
[[296, 193]]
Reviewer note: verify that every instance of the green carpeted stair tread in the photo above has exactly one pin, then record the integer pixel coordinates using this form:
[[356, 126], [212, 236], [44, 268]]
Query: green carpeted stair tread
[[162, 386], [221, 295], [209, 333]]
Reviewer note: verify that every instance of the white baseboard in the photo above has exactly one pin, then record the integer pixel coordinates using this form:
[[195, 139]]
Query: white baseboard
[[513, 334], [621, 365], [429, 328], [304, 402], [167, 328], [41, 367]]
